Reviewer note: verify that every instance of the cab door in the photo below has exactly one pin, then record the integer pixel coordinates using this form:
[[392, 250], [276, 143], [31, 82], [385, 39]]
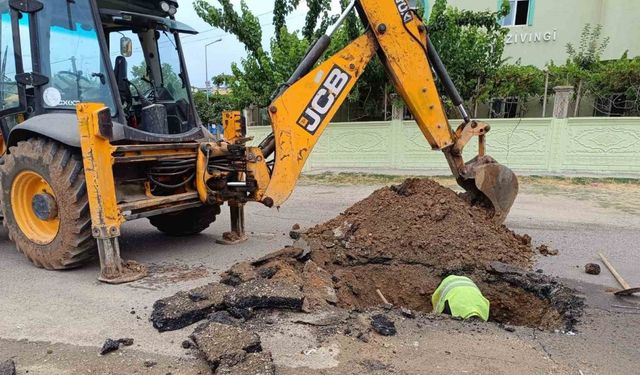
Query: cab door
[[15, 58]]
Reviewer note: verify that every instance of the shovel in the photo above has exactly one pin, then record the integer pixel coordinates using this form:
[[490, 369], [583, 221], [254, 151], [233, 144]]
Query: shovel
[[627, 290]]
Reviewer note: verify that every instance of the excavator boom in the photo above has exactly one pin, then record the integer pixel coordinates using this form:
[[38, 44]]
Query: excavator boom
[[304, 106]]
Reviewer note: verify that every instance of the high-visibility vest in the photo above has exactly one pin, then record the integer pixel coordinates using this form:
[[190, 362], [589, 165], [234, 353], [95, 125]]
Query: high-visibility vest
[[463, 296]]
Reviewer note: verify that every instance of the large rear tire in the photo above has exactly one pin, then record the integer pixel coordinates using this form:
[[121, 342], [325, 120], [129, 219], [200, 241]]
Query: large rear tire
[[45, 204], [187, 222]]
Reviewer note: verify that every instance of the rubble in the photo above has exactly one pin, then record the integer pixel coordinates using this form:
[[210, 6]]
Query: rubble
[[185, 308], [317, 287], [224, 317], [109, 346], [239, 273], [295, 232], [383, 325], [592, 268], [265, 294], [547, 251], [407, 313], [253, 364], [222, 343], [8, 367], [187, 344], [126, 341]]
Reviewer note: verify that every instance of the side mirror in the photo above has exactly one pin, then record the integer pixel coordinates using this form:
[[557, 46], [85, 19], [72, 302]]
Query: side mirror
[[126, 47]]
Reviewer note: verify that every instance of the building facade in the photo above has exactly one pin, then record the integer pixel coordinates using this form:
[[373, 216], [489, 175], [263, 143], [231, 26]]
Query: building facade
[[539, 30]]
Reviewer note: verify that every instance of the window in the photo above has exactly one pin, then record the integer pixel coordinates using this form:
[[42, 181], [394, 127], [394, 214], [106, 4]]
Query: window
[[71, 56], [518, 13], [140, 74], [9, 94]]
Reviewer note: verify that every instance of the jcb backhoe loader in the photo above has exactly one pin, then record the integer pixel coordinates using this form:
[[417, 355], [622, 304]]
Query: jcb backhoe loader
[[99, 126]]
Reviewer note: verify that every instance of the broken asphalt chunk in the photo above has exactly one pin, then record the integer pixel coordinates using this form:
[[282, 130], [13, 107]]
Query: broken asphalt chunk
[[224, 317], [265, 294], [222, 343], [287, 252], [238, 273], [109, 346], [383, 325], [8, 367], [253, 364], [185, 308], [592, 268], [317, 287], [126, 341]]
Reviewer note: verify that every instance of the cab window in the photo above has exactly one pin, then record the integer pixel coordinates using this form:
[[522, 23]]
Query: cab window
[[71, 56], [9, 94]]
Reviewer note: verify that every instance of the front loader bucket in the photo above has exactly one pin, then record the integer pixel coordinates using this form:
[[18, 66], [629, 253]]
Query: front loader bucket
[[495, 182]]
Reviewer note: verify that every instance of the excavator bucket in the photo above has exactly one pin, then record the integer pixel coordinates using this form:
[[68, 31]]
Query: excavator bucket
[[500, 185], [494, 182]]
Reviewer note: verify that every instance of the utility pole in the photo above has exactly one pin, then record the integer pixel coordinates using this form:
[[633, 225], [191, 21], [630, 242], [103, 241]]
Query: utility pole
[[206, 66]]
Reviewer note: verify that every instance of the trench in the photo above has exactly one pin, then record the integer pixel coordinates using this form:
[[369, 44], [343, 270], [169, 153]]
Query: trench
[[516, 298]]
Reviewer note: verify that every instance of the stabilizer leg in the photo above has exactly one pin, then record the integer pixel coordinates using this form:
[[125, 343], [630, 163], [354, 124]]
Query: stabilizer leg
[[113, 270], [106, 217], [236, 235]]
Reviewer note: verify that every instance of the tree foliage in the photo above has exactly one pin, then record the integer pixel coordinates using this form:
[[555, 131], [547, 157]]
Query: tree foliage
[[515, 80], [470, 44], [589, 52], [210, 112], [620, 76]]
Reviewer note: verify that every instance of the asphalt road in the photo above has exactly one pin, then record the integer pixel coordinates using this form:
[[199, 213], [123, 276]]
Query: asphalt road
[[72, 308]]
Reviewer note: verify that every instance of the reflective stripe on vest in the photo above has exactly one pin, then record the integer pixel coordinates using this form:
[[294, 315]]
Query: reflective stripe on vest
[[443, 296], [464, 297]]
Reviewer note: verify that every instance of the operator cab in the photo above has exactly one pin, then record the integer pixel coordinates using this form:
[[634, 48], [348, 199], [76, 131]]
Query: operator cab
[[148, 70], [124, 54]]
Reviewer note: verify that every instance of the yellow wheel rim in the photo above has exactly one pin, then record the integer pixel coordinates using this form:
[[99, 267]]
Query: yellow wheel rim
[[24, 189]]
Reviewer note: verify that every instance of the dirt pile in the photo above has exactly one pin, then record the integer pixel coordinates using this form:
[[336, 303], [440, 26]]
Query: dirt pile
[[417, 222]]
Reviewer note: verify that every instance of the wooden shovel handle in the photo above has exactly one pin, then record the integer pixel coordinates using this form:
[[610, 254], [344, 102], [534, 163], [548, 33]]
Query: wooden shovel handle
[[614, 272]]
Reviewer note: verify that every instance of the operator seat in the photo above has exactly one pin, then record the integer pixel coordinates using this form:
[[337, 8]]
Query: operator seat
[[120, 71]]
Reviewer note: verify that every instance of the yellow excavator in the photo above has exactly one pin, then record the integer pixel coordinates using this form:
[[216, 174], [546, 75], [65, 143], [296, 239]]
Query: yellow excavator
[[99, 126]]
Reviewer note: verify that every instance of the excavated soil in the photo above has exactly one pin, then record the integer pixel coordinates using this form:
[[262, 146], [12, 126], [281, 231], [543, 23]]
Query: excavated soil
[[417, 222], [403, 240]]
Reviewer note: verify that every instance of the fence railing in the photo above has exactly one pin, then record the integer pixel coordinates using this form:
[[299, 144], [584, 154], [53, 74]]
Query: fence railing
[[607, 147]]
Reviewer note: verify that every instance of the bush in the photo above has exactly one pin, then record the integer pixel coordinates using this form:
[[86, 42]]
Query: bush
[[616, 77], [517, 81]]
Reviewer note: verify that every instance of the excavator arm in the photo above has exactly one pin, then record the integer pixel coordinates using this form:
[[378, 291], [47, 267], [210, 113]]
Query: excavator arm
[[304, 106]]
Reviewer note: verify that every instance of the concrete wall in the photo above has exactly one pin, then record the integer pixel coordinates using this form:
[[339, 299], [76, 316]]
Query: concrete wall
[[562, 22], [607, 147]]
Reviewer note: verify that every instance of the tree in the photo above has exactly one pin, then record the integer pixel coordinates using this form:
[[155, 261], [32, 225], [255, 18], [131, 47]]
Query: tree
[[469, 43], [515, 81], [257, 76], [210, 112], [590, 49], [170, 79]]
